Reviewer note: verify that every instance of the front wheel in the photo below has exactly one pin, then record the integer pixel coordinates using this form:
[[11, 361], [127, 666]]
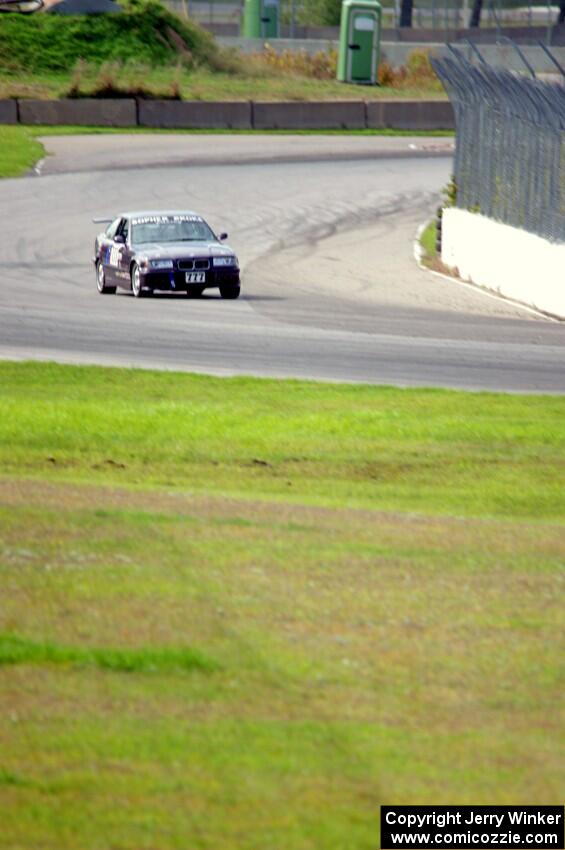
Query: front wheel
[[103, 289], [136, 287], [230, 290]]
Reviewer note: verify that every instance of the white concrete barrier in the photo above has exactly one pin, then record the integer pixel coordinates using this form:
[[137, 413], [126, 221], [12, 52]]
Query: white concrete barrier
[[507, 260]]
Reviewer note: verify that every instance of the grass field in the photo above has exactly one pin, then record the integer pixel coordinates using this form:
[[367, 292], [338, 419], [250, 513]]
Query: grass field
[[202, 84], [149, 51], [243, 613]]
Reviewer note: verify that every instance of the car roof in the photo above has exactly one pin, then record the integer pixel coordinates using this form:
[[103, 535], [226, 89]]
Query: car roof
[[143, 213]]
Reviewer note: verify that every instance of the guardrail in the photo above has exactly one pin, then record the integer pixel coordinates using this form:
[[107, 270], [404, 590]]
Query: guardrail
[[232, 115]]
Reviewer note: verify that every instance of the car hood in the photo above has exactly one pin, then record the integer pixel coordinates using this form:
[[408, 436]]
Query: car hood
[[176, 250]]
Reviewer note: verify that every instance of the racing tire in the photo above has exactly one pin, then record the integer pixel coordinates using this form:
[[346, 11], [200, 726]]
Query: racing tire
[[195, 292], [230, 290], [136, 288], [101, 286]]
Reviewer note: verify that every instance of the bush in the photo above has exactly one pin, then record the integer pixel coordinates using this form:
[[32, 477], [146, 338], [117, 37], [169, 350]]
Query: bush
[[419, 68], [319, 66], [146, 31], [416, 74]]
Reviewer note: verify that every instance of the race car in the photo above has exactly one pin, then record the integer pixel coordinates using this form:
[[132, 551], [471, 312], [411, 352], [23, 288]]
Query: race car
[[171, 251]]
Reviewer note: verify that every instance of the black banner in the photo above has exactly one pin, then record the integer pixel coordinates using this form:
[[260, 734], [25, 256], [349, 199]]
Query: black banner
[[472, 827]]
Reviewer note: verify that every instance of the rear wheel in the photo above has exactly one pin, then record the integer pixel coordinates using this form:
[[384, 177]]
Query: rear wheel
[[136, 287], [230, 290], [103, 289]]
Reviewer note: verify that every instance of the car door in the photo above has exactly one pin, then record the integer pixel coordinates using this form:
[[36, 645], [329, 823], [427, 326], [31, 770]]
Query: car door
[[125, 255], [112, 259], [104, 244]]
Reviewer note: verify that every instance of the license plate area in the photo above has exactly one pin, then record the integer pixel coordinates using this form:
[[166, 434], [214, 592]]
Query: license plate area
[[195, 277]]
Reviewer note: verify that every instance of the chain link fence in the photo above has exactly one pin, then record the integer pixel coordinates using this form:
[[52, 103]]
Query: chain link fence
[[427, 14], [510, 145]]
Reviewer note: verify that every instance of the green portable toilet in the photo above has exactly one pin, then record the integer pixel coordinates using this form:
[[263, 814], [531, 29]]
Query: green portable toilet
[[359, 42], [261, 19]]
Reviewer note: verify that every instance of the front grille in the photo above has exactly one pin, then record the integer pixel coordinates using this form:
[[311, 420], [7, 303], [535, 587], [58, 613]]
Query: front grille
[[189, 265]]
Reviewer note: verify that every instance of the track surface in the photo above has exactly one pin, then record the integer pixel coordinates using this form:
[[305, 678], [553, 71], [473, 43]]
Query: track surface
[[324, 232]]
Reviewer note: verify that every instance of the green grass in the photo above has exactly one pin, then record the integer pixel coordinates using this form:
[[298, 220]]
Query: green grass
[[14, 649], [428, 239], [431, 450], [428, 243], [372, 576], [19, 151], [75, 130]]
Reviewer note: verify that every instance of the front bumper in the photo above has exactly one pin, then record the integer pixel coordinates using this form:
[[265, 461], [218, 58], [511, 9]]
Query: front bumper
[[174, 281]]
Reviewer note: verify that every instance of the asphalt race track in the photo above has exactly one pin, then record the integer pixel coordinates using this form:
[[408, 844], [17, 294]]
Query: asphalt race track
[[324, 230]]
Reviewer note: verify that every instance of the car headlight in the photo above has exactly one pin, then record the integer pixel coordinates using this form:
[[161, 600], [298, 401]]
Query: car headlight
[[225, 261], [161, 264]]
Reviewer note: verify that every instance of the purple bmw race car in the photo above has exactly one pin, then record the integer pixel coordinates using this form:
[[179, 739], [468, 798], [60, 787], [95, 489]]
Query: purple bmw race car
[[168, 251]]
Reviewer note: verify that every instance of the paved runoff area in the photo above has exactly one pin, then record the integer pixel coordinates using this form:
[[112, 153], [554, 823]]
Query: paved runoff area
[[324, 228]]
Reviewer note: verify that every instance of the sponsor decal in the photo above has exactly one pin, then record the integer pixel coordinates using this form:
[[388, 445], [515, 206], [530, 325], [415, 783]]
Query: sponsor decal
[[164, 219], [112, 256]]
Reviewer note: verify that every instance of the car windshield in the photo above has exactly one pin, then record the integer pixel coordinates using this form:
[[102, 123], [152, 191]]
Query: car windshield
[[170, 229]]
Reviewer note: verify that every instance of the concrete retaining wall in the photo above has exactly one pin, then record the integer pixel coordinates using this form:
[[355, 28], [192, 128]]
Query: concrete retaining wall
[[507, 260], [82, 111], [410, 115], [197, 114], [243, 115], [330, 115], [8, 112]]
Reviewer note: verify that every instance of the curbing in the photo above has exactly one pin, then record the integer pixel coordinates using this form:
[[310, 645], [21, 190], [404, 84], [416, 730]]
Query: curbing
[[233, 115]]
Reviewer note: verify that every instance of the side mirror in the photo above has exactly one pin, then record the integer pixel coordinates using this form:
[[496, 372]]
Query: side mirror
[[120, 238], [223, 236]]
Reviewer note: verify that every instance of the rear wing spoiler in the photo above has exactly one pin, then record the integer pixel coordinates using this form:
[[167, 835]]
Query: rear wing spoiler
[[103, 220]]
